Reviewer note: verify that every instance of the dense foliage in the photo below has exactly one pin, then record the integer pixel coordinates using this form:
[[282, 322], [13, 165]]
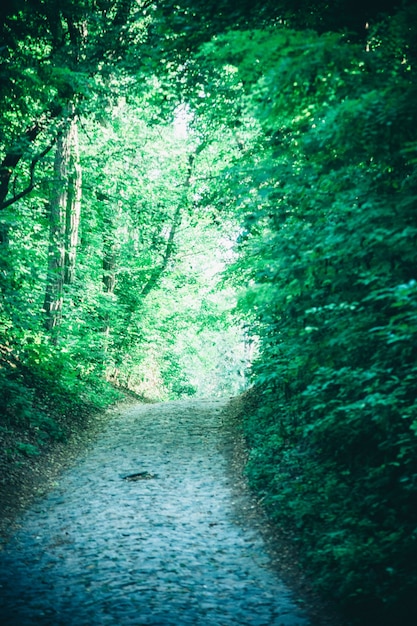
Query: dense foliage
[[146, 146], [328, 249], [101, 202]]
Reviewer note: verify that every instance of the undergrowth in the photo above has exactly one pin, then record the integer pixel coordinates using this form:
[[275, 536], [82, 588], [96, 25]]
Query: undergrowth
[[354, 517], [44, 400]]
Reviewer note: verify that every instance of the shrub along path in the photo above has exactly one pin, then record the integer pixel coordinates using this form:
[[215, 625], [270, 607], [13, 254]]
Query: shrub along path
[[170, 545]]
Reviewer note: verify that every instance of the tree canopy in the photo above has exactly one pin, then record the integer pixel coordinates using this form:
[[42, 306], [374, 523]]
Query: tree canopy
[[196, 197]]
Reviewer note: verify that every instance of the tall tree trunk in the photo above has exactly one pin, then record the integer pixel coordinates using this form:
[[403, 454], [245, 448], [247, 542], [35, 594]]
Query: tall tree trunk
[[110, 256], [56, 252], [64, 215], [73, 206], [110, 250]]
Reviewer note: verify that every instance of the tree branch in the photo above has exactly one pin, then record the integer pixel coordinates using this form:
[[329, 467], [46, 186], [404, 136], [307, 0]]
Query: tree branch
[[31, 184], [176, 223], [16, 153]]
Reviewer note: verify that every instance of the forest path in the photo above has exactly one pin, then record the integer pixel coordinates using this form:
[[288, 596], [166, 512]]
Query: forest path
[[174, 548]]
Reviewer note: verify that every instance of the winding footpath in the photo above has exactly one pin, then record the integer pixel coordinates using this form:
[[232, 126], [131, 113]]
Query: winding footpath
[[167, 546]]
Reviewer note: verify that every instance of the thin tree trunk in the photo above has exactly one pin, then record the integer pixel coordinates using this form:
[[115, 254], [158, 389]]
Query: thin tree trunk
[[110, 248], [64, 214], [56, 253], [110, 256], [176, 223], [73, 206], [159, 270]]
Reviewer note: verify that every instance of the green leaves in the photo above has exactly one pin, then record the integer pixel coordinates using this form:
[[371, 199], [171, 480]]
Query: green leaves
[[328, 257], [300, 146]]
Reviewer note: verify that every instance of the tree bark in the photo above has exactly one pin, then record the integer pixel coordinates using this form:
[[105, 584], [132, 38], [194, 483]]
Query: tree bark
[[73, 206], [56, 253], [64, 215], [110, 247]]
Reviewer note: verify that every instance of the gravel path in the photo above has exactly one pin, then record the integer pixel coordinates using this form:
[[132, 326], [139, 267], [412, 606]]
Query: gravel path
[[169, 548]]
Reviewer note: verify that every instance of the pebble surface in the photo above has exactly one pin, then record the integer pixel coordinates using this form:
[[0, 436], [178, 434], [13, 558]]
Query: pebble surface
[[166, 548]]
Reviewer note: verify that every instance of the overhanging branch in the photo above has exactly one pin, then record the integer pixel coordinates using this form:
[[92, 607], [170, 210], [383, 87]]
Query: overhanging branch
[[31, 184]]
